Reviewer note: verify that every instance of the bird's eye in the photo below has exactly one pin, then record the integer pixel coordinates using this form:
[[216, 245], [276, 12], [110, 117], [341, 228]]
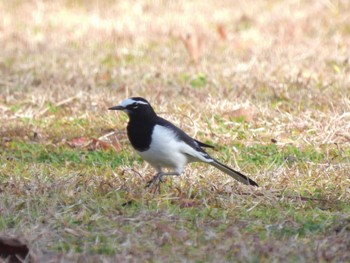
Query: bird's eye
[[135, 107]]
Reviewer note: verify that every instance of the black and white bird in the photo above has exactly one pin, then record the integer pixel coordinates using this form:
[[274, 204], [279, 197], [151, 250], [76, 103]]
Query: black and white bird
[[163, 145]]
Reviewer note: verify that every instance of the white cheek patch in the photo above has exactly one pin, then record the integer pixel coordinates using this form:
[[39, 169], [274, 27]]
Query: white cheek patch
[[128, 102]]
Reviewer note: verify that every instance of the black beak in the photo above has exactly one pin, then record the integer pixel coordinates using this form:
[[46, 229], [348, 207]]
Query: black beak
[[117, 108]]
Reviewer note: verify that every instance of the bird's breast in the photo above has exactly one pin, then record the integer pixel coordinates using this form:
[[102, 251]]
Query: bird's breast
[[140, 136]]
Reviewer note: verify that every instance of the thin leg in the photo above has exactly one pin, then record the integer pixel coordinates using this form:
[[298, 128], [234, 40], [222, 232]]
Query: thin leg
[[158, 177]]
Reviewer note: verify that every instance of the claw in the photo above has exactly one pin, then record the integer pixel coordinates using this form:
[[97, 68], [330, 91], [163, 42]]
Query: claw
[[157, 177], [149, 183]]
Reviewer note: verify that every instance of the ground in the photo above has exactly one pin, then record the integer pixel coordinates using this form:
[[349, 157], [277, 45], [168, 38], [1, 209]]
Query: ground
[[266, 82]]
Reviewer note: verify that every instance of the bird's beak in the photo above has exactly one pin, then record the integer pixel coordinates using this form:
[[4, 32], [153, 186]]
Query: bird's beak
[[118, 107]]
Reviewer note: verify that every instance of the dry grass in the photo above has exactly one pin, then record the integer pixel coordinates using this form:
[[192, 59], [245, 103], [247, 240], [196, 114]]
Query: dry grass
[[283, 66]]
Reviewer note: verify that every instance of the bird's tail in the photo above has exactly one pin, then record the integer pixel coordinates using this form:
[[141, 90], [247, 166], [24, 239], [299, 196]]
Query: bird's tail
[[234, 174]]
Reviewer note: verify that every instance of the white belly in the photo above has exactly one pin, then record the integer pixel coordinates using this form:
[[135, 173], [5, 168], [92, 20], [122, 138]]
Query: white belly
[[165, 151]]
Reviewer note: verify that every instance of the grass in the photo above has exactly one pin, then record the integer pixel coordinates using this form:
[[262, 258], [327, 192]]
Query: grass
[[266, 82]]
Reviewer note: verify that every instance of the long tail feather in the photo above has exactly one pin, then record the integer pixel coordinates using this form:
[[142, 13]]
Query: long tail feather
[[234, 174]]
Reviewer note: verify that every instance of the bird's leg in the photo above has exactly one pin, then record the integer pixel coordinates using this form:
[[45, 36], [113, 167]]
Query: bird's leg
[[159, 176], [154, 179]]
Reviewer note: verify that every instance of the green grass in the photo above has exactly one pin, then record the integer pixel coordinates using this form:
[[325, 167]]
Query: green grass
[[58, 155], [256, 155]]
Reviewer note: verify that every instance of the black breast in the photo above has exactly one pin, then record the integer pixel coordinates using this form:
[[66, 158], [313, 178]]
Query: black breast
[[140, 135]]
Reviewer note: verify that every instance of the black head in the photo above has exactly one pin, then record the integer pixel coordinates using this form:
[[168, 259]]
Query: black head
[[135, 107]]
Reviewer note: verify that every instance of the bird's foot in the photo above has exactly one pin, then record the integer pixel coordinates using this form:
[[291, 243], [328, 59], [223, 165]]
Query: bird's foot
[[156, 179]]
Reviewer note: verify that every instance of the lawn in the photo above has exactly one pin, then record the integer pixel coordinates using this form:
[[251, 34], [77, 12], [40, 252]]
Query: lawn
[[266, 82]]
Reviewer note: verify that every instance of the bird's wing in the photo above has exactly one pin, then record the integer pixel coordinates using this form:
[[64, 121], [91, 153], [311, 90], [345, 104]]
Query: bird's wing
[[190, 146], [202, 144]]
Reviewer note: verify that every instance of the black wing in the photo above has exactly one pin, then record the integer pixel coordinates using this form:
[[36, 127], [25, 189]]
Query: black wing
[[183, 136], [202, 144]]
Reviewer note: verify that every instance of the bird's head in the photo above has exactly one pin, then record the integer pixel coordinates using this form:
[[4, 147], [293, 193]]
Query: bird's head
[[135, 106]]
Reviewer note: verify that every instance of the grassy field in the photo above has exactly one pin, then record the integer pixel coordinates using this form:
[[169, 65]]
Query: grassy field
[[266, 82]]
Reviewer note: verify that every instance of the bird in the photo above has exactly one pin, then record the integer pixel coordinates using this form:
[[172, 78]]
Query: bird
[[164, 145]]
